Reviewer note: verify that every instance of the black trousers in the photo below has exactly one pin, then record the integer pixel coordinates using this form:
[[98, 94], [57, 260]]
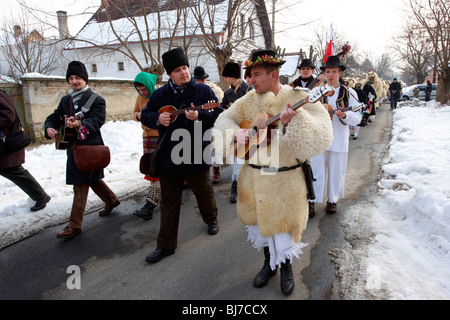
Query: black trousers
[[25, 181], [172, 186], [394, 101]]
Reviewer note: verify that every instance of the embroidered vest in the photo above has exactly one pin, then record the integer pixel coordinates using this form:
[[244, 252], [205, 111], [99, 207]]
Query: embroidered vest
[[341, 101]]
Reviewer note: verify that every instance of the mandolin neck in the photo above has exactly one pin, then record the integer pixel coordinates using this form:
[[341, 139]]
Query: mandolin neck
[[181, 111], [293, 107]]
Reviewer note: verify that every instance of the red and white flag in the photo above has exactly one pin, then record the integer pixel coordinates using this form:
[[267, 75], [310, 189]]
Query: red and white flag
[[330, 49]]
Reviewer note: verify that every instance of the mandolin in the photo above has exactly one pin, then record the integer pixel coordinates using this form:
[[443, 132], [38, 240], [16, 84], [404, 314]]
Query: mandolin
[[330, 110], [174, 112], [259, 127], [65, 134]]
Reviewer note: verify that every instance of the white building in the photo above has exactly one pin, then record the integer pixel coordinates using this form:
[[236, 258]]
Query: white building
[[151, 31]]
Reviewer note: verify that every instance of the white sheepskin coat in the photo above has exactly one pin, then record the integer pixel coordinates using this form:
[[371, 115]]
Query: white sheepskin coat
[[275, 202]]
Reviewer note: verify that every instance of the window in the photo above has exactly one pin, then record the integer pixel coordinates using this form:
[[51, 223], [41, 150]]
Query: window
[[120, 66], [94, 68], [242, 22], [251, 29]]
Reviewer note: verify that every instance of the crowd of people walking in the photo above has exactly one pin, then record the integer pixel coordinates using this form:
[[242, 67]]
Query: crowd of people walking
[[300, 149]]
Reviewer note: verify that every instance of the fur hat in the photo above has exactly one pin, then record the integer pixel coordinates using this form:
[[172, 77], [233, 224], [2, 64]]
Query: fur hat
[[264, 58], [306, 63], [333, 62], [77, 68], [173, 59], [232, 69], [199, 73]]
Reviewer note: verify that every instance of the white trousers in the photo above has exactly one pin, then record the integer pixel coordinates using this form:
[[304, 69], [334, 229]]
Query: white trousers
[[281, 246], [332, 165], [237, 165], [318, 169]]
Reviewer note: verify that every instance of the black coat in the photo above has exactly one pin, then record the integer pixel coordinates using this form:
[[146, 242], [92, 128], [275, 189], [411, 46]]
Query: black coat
[[93, 121], [362, 96], [394, 89], [369, 89], [298, 82], [189, 136], [9, 123], [229, 96]]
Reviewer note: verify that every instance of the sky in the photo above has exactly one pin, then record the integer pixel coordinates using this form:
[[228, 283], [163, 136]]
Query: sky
[[371, 24], [407, 251]]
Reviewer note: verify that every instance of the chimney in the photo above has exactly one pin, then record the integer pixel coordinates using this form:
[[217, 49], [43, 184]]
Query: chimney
[[17, 30], [62, 25]]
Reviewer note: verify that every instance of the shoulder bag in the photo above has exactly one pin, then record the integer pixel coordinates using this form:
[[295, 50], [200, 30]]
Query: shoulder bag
[[149, 163]]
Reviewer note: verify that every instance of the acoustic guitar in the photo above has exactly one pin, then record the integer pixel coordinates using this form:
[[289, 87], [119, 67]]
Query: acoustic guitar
[[66, 135], [174, 112], [259, 128]]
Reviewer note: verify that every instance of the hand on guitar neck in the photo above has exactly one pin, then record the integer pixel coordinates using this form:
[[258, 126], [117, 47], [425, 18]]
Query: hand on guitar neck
[[168, 114]]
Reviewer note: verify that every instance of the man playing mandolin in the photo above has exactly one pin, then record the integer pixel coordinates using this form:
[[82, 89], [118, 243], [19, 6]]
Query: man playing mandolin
[[272, 193], [177, 111]]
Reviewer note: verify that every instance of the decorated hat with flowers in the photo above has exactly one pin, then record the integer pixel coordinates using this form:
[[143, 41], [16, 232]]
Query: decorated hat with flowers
[[264, 58]]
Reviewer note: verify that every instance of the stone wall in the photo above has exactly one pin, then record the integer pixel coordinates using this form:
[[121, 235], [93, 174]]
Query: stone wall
[[42, 94]]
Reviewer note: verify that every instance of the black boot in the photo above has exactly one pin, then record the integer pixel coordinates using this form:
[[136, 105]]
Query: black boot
[[287, 278], [233, 197], [266, 272], [146, 212]]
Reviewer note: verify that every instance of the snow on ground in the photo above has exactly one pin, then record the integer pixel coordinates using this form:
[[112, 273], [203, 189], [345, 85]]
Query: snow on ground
[[405, 230], [406, 253], [48, 166]]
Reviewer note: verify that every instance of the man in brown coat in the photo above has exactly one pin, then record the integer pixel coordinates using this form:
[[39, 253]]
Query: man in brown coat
[[11, 162]]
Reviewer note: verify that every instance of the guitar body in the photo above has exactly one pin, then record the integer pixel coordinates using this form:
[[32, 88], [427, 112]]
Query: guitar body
[[261, 127], [259, 133], [65, 135], [329, 109], [64, 139]]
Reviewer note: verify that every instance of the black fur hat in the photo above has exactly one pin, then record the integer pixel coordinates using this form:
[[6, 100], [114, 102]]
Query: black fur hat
[[173, 59], [232, 69], [199, 73], [77, 68]]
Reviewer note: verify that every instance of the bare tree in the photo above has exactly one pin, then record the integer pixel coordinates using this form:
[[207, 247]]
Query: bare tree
[[320, 42], [383, 66], [433, 17], [222, 31], [25, 49], [413, 50]]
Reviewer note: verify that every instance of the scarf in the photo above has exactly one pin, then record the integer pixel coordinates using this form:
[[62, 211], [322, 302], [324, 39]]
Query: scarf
[[76, 95], [176, 88]]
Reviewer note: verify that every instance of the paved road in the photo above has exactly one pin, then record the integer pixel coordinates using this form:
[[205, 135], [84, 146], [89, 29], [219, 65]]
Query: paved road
[[110, 253]]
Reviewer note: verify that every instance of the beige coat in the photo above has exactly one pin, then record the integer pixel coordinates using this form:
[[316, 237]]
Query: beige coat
[[277, 203], [139, 105]]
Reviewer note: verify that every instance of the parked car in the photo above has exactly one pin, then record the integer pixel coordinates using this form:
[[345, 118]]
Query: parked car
[[408, 92]]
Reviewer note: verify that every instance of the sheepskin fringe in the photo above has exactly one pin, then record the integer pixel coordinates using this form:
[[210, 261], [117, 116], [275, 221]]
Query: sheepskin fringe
[[281, 247]]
